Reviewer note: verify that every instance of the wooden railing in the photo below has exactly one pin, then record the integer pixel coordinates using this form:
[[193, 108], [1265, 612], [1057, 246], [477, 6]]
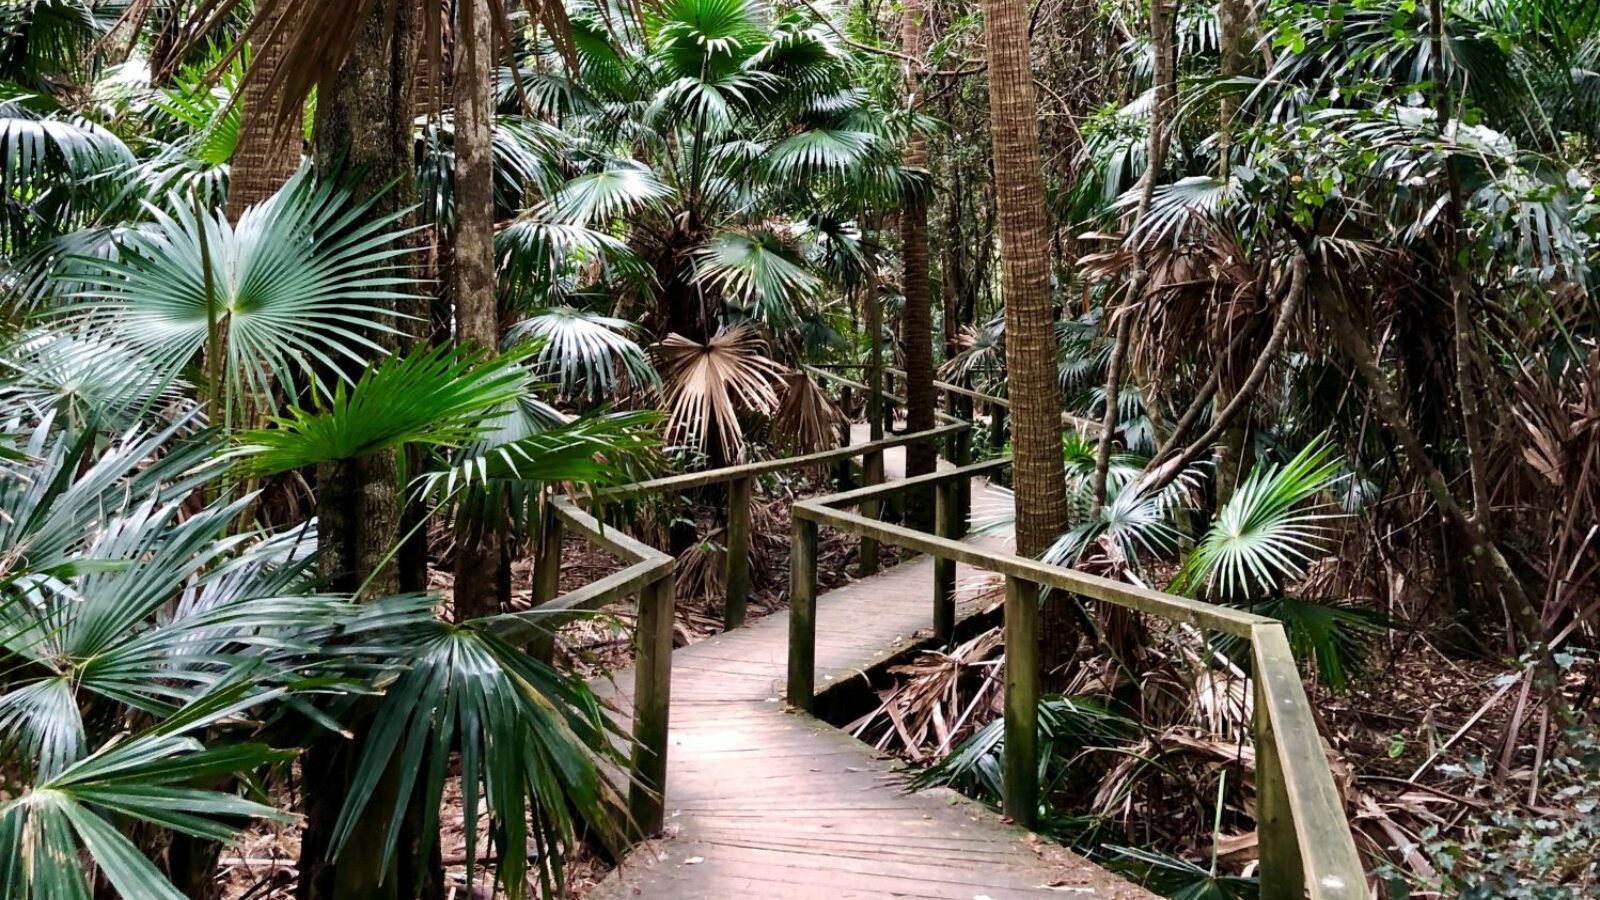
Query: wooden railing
[[648, 575], [1305, 843]]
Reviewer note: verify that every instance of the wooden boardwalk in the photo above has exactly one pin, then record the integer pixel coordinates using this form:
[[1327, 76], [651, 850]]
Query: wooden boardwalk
[[766, 803]]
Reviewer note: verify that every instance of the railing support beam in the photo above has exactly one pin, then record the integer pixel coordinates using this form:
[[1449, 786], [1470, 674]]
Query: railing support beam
[[946, 514], [738, 557], [802, 614], [652, 696], [872, 474], [1020, 762]]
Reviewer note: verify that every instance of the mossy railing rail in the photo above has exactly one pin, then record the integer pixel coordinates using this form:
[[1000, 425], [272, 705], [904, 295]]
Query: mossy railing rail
[[1305, 844], [649, 575]]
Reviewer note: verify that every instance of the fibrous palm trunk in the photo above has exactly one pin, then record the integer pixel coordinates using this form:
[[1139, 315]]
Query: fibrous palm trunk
[[478, 543], [1039, 476], [363, 130], [916, 323], [269, 146]]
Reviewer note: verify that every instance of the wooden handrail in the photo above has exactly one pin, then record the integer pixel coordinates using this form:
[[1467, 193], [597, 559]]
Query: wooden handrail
[[1305, 841], [1306, 847], [649, 575]]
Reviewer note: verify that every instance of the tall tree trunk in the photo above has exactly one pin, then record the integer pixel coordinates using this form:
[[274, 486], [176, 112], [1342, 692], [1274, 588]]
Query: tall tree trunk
[[363, 130], [1161, 40], [478, 543], [916, 323], [1039, 474], [269, 146], [1236, 42]]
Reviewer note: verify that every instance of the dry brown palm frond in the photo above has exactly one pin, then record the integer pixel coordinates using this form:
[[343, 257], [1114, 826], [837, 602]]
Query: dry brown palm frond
[[1198, 294], [940, 699], [807, 420], [702, 569], [708, 385]]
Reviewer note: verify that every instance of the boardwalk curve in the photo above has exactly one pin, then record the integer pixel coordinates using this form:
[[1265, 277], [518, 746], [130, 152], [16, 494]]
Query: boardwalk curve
[[763, 802]]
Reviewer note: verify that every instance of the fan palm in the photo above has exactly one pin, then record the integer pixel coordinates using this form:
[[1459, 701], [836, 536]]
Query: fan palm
[[724, 118], [588, 355], [708, 385], [299, 284], [1266, 533]]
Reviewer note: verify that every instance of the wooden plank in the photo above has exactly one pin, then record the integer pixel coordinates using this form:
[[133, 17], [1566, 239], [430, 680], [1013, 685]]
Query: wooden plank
[[737, 578], [1326, 851], [802, 614], [766, 803]]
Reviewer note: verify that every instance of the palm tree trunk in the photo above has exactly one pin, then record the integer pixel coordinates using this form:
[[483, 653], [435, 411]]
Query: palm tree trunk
[[478, 543], [269, 146], [363, 127], [1039, 475], [916, 324]]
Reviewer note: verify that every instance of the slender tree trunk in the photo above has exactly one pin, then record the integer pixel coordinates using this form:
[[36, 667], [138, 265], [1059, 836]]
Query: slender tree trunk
[[1156, 158], [269, 146], [478, 543], [1039, 475], [1236, 42], [363, 130], [916, 324]]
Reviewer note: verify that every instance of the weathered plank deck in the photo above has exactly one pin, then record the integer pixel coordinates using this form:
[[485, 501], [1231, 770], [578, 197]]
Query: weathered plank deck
[[765, 803]]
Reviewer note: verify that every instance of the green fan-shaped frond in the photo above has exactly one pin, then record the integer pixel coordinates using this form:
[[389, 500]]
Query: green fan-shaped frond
[[601, 196], [587, 354], [818, 152], [1265, 534], [533, 746], [301, 281], [149, 778], [440, 396], [756, 272]]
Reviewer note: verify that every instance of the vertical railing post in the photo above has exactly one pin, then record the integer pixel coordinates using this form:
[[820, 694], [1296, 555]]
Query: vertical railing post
[[652, 695], [1282, 870], [546, 580], [1020, 762], [997, 427], [802, 614], [963, 457], [738, 560], [872, 474], [944, 570], [844, 479], [547, 567]]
